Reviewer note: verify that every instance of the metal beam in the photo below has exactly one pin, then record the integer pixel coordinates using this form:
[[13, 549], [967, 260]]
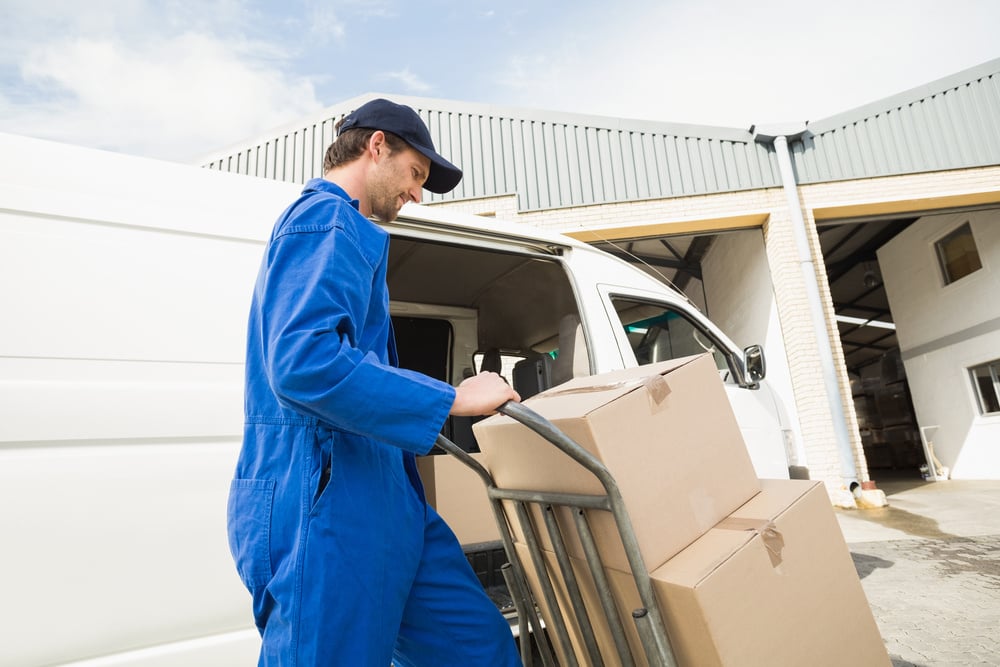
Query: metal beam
[[652, 260], [866, 251], [673, 251], [695, 253]]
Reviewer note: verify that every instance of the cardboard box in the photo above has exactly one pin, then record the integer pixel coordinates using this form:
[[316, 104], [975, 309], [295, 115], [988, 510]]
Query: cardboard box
[[667, 434], [459, 496], [773, 584]]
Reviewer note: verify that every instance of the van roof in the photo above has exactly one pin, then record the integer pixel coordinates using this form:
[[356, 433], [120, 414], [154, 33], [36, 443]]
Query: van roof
[[418, 215]]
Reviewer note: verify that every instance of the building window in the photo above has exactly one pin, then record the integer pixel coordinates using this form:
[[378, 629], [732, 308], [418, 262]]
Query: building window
[[986, 382], [957, 254]]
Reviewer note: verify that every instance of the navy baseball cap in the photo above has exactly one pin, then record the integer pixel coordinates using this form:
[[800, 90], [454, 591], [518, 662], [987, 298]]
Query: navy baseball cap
[[404, 122]]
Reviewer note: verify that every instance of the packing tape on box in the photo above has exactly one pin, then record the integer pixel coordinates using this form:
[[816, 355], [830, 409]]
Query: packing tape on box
[[658, 389], [769, 533], [656, 386], [586, 390]]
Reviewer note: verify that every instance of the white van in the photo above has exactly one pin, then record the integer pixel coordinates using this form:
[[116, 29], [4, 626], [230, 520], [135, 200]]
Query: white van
[[126, 284]]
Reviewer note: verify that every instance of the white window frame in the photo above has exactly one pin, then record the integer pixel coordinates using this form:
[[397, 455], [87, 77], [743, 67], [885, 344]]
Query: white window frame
[[994, 371], [939, 253]]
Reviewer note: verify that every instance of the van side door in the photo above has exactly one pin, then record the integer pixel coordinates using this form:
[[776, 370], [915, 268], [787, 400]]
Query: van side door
[[650, 329]]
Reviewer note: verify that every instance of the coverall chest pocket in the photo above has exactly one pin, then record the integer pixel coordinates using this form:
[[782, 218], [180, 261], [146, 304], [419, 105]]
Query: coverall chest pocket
[[251, 502]]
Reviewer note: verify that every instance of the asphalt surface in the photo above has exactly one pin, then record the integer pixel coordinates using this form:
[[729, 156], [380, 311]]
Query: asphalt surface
[[930, 566]]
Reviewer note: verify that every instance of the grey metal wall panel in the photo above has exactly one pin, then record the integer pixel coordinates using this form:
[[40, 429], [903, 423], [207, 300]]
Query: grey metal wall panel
[[549, 160], [951, 123], [553, 160]]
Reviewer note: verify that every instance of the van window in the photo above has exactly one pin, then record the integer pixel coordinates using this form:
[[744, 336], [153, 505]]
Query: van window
[[424, 345], [507, 364], [658, 332]]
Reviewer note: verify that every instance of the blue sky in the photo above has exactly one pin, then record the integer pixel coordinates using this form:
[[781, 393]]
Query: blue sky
[[176, 79]]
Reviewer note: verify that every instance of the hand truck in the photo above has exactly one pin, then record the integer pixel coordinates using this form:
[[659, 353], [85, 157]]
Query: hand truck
[[648, 620]]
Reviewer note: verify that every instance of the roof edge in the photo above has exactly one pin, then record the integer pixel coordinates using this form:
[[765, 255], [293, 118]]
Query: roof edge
[[906, 97], [480, 108], [270, 133]]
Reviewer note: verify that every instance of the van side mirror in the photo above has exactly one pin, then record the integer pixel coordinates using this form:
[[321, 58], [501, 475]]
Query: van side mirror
[[753, 361]]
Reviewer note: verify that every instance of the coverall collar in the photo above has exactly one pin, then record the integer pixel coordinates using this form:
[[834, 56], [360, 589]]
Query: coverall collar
[[323, 185]]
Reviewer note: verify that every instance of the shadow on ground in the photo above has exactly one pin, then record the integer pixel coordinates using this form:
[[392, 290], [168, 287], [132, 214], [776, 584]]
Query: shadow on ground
[[866, 564]]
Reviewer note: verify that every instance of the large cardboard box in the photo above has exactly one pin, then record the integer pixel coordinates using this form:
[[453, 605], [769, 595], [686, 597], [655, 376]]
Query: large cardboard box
[[667, 434], [459, 496], [773, 584]]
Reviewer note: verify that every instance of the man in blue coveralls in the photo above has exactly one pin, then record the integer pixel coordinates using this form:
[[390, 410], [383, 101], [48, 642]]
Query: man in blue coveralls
[[328, 525]]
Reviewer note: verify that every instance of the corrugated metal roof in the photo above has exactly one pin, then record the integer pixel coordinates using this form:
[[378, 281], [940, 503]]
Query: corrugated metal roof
[[554, 160], [951, 123], [549, 160]]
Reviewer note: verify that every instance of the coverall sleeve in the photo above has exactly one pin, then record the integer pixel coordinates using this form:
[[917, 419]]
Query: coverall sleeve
[[315, 298]]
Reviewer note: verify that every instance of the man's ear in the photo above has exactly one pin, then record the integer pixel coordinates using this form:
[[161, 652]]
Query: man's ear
[[377, 145]]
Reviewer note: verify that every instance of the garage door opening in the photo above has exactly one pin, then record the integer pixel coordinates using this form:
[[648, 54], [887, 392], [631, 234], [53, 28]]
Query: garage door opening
[[675, 260], [886, 418]]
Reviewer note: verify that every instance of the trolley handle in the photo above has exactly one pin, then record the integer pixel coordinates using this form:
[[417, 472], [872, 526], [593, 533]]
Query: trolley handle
[[547, 430], [648, 620]]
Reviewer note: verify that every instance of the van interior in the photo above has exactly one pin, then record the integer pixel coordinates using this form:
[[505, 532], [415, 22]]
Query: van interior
[[459, 310]]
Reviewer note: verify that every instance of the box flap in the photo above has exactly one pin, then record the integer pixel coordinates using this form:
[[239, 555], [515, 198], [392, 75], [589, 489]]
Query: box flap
[[754, 519], [779, 496], [581, 396], [699, 560]]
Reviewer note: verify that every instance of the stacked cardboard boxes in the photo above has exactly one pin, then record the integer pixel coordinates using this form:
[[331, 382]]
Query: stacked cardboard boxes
[[746, 572]]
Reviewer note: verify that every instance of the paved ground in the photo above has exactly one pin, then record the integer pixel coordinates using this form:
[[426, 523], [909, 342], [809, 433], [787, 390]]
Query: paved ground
[[930, 566]]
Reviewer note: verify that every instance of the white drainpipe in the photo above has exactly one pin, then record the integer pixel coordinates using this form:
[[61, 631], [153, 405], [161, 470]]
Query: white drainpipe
[[848, 467]]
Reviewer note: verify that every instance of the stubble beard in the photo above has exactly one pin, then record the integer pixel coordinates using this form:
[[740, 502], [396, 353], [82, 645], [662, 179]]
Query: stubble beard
[[383, 196]]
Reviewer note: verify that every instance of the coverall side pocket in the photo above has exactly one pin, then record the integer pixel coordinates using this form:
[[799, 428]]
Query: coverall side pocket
[[322, 467], [250, 506]]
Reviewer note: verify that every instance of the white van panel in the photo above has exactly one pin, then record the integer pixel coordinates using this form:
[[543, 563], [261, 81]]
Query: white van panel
[[760, 424], [126, 285], [234, 649], [115, 545], [57, 399], [84, 289]]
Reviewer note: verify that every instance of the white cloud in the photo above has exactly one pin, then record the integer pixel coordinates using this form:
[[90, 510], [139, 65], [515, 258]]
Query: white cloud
[[172, 97], [734, 63], [409, 80], [372, 9], [174, 79], [325, 23]]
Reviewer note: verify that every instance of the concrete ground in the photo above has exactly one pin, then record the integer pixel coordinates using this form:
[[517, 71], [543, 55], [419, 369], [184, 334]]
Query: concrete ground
[[930, 566]]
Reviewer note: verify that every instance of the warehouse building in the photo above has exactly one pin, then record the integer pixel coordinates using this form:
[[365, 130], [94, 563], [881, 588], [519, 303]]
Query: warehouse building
[[862, 250]]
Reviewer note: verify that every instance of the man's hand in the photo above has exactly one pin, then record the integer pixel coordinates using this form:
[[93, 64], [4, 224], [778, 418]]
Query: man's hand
[[481, 395]]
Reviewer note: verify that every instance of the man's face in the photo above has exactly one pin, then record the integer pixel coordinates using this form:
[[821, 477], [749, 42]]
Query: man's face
[[397, 178]]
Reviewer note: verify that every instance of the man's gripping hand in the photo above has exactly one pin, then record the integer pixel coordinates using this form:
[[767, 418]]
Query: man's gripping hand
[[481, 395]]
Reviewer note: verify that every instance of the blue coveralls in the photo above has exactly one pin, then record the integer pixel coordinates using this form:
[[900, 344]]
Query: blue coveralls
[[328, 525]]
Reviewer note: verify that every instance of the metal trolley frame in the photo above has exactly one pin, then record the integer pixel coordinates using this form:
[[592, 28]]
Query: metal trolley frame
[[648, 621]]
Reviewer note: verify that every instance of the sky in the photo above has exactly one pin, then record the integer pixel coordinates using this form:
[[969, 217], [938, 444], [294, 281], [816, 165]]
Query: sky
[[179, 79]]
